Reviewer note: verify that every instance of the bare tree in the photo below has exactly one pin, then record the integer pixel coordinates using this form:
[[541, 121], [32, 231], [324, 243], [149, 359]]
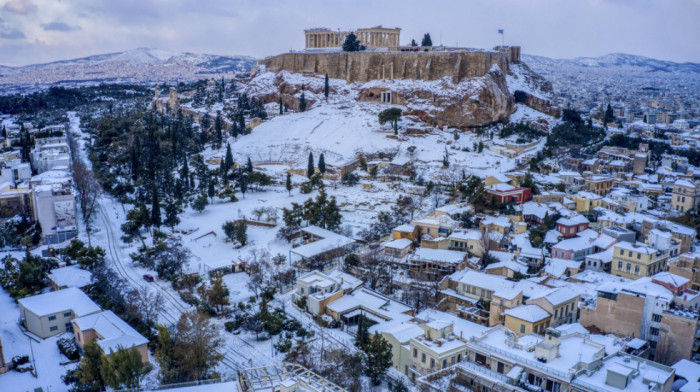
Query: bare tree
[[88, 190], [146, 304]]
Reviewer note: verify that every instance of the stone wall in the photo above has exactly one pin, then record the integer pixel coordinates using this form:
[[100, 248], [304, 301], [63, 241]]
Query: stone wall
[[366, 66]]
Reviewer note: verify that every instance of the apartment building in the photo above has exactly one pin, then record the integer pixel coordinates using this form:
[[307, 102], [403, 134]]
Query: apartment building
[[50, 314], [637, 260]]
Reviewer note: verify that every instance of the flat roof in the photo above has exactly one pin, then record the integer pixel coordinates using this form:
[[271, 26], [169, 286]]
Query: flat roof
[[56, 301]]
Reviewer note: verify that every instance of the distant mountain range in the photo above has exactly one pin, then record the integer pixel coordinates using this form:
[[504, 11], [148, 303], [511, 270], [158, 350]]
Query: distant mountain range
[[612, 61], [141, 65]]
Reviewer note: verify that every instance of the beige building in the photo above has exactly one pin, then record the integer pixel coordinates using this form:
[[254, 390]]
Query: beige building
[[50, 314], [685, 196], [527, 319], [586, 201], [438, 348], [687, 265], [561, 303], [634, 261], [378, 36], [110, 332]]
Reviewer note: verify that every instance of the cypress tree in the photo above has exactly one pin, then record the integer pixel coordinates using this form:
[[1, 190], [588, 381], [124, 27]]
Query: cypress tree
[[289, 183], [171, 211], [351, 43], [243, 184], [249, 166], [325, 88], [241, 124], [218, 125], [280, 105], [155, 211], [302, 102], [414, 43], [427, 41], [322, 164], [310, 168], [228, 161]]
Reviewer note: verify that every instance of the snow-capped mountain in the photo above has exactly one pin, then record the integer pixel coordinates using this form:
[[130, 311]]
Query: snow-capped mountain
[[613, 60], [141, 65]]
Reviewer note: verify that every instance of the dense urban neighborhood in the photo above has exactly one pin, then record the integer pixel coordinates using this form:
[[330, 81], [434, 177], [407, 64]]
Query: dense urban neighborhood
[[353, 215]]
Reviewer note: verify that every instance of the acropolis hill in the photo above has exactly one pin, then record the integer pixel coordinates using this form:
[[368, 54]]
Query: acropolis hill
[[465, 87]]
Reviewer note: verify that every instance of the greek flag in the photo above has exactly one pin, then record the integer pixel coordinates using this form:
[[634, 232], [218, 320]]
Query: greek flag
[[500, 31]]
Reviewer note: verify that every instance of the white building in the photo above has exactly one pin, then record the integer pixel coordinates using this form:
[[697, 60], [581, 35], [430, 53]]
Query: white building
[[54, 208]]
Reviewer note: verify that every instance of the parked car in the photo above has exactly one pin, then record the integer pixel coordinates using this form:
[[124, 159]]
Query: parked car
[[148, 278]]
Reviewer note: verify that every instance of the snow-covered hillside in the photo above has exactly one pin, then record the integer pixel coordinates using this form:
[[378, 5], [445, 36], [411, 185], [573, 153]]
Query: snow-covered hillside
[[132, 66]]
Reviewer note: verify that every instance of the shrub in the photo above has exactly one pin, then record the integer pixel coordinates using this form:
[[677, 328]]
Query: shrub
[[230, 326], [20, 359], [69, 348]]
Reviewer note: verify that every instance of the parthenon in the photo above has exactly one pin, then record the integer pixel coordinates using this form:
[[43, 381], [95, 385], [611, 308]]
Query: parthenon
[[371, 37]]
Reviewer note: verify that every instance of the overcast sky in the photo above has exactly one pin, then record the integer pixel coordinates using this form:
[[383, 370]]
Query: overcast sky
[[35, 31]]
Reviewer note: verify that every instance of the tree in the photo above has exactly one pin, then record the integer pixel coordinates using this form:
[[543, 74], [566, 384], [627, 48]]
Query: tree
[[155, 210], [391, 115], [216, 293], [189, 353], [88, 371], [172, 209], [325, 87], [322, 164], [362, 337], [236, 231], [218, 126], [302, 102], [310, 166], [414, 43], [281, 106], [144, 304], [123, 368], [200, 203], [427, 41], [609, 116], [228, 160], [88, 190], [351, 43], [288, 184], [249, 166], [169, 259], [378, 358]]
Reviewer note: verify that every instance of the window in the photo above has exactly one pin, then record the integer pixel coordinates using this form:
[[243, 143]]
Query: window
[[619, 265], [629, 267], [636, 269], [654, 331], [432, 363], [522, 328], [500, 368], [639, 256], [656, 318], [54, 328], [69, 327], [480, 359], [415, 353], [52, 318], [67, 314], [444, 363], [630, 253], [422, 357]]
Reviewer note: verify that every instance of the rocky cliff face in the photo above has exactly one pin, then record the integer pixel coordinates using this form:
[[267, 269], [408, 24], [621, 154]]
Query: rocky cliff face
[[472, 102]]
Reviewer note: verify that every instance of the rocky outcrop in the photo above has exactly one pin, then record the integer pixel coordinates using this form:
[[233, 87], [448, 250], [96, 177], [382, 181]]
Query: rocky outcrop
[[472, 102]]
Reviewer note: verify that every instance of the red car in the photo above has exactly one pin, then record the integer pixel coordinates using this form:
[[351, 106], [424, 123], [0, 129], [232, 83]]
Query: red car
[[148, 278]]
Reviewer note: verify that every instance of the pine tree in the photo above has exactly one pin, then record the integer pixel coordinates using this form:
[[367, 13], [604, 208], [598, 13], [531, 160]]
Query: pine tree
[[171, 211], [155, 210], [249, 166], [200, 203], [288, 185], [241, 124], [351, 43], [302, 102], [414, 43], [427, 41], [124, 368], [609, 116], [362, 336], [310, 167], [378, 358], [326, 88], [88, 370], [322, 164]]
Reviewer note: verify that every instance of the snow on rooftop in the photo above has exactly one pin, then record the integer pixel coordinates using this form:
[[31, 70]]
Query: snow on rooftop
[[530, 313], [72, 276], [114, 332], [57, 301], [439, 255]]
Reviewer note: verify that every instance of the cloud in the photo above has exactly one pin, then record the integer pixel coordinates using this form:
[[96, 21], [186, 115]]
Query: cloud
[[59, 26], [12, 34], [22, 7]]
